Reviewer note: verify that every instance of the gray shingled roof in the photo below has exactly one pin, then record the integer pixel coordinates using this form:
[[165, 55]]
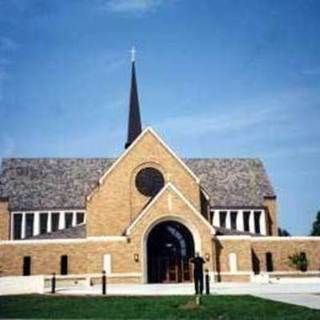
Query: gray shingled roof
[[76, 232], [233, 182], [32, 184]]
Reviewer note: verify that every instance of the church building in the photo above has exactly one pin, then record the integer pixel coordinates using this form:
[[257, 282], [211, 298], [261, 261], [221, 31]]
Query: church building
[[142, 216]]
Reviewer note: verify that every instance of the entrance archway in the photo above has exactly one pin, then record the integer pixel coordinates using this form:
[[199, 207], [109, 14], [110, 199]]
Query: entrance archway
[[170, 246]]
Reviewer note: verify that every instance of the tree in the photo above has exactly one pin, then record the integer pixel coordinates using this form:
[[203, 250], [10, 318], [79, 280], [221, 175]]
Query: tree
[[299, 261], [316, 226], [283, 233]]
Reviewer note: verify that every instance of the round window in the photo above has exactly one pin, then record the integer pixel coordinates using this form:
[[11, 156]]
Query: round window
[[149, 181]]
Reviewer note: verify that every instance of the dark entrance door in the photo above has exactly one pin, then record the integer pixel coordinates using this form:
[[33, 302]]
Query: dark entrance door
[[170, 246]]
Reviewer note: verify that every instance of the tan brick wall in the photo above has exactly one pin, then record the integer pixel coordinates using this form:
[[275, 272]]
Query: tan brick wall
[[271, 216], [242, 249], [82, 257], [4, 221], [171, 207], [118, 198], [282, 248]]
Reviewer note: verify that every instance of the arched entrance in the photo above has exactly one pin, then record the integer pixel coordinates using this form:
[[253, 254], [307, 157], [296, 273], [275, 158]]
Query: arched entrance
[[170, 246]]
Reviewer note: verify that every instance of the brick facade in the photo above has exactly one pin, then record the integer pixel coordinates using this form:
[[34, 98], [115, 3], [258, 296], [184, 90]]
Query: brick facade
[[119, 220], [4, 220], [117, 192]]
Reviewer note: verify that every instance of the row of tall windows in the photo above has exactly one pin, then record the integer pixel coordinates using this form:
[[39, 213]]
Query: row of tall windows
[[26, 265], [222, 220], [47, 222]]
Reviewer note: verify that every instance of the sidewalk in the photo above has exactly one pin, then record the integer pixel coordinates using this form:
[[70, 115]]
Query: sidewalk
[[302, 299], [188, 289]]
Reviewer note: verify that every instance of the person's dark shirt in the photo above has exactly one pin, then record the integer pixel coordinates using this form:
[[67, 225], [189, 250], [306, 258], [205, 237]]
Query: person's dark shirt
[[198, 264]]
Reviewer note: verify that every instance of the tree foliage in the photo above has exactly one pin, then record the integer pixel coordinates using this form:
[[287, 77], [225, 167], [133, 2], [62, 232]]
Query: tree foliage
[[283, 233], [316, 226], [299, 261]]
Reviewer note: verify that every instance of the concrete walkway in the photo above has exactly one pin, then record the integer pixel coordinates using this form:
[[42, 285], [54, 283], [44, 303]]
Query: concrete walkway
[[302, 299], [188, 289]]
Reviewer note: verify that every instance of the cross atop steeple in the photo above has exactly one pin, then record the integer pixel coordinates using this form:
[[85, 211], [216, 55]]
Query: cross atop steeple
[[134, 121]]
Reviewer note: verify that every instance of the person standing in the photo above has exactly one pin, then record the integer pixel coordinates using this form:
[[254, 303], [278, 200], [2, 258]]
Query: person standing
[[198, 262]]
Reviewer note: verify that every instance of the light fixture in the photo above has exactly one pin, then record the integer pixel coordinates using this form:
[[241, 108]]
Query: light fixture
[[136, 257], [207, 256]]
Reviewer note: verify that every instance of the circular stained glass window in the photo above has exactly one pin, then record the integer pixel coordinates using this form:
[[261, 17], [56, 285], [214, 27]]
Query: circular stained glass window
[[149, 181]]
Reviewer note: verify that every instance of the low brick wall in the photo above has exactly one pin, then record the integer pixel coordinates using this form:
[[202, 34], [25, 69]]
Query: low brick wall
[[282, 247]]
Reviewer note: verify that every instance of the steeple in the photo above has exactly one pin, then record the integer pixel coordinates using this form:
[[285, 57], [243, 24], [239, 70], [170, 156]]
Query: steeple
[[134, 121]]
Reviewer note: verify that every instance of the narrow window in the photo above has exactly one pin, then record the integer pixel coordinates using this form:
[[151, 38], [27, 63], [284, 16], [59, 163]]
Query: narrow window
[[68, 217], [17, 226], [223, 217], [26, 268], [269, 262], [29, 225], [64, 264], [43, 222], [246, 216], [80, 217], [255, 262], [211, 215], [257, 215], [54, 221], [233, 219]]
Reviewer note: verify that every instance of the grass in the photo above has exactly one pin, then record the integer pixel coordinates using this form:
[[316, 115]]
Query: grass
[[164, 307]]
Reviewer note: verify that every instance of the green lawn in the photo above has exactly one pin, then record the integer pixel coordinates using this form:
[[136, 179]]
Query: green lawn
[[168, 307]]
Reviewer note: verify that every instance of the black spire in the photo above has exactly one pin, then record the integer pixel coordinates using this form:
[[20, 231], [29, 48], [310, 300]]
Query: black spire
[[134, 122]]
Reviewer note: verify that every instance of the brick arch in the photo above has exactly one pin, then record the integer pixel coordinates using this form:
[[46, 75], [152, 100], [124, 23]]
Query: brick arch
[[145, 234]]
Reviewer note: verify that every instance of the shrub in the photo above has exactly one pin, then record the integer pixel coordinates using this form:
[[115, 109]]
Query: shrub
[[299, 261]]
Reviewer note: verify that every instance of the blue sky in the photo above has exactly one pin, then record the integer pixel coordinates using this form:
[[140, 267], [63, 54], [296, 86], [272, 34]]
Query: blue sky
[[222, 78]]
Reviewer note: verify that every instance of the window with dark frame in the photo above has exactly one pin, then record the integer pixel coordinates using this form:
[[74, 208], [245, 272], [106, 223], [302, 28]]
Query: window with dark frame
[[43, 222], [29, 225], [223, 217], [68, 219], [64, 265], [246, 224], [17, 226], [257, 215], [26, 266], [233, 217], [80, 217], [269, 262], [55, 221]]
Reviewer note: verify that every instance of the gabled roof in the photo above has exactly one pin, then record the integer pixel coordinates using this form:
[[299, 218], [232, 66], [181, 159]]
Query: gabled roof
[[35, 184], [233, 182], [171, 188]]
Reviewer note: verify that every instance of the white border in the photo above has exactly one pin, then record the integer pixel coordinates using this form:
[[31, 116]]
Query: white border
[[237, 273], [94, 275], [63, 241], [296, 272], [290, 238], [154, 200], [268, 238], [235, 237]]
